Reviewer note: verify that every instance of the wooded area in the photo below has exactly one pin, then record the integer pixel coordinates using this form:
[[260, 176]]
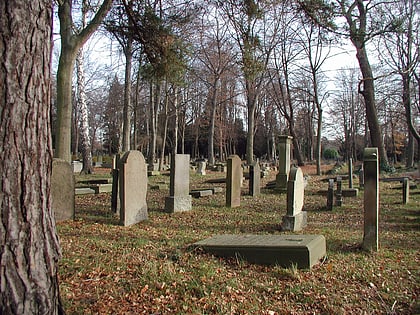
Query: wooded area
[[215, 78]]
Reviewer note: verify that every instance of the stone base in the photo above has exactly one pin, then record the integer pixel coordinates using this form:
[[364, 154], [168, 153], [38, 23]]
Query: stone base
[[153, 173], [281, 182], [197, 193], [350, 192], [178, 204], [295, 222], [302, 251]]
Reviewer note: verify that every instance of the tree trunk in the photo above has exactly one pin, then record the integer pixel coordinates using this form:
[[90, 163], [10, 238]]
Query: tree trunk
[[70, 45], [318, 155], [30, 249], [212, 123], [128, 51], [81, 100], [368, 94]]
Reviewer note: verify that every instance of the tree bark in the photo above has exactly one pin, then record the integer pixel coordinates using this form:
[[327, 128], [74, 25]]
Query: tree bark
[[81, 99], [128, 51], [29, 246]]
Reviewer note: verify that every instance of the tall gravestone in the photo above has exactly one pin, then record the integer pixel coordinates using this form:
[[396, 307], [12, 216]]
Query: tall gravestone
[[371, 199], [350, 173], [339, 192], [179, 198], [295, 219], [132, 188], [115, 201], [254, 179], [284, 162], [406, 190], [233, 181], [330, 194], [201, 167], [62, 190]]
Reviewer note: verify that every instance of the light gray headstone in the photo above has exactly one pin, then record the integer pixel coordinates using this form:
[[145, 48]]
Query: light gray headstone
[[62, 190], [406, 190], [179, 198], [284, 162], [254, 179], [295, 219], [201, 168], [371, 199], [133, 188], [77, 166], [233, 181]]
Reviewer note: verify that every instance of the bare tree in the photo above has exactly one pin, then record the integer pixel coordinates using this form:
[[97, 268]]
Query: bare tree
[[30, 250]]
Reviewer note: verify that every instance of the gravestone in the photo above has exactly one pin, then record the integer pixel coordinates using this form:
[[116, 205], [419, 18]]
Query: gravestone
[[233, 181], [301, 251], [99, 161], [62, 190], [295, 219], [350, 173], [361, 178], [115, 201], [77, 166], [254, 179], [371, 199], [132, 188], [179, 198], [330, 194], [201, 168], [406, 190], [339, 192], [284, 162]]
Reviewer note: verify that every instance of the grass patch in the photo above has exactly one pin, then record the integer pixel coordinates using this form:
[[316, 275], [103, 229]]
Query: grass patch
[[149, 268]]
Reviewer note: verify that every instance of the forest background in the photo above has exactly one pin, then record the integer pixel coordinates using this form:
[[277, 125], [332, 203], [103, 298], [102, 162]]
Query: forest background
[[214, 78]]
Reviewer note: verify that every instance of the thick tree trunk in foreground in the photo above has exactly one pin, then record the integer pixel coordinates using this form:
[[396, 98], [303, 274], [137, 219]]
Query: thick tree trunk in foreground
[[29, 247]]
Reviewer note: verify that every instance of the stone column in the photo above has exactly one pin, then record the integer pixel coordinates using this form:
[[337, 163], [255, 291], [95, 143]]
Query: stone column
[[350, 173], [115, 201], [361, 177], [295, 219], [330, 194], [179, 190], [339, 192], [133, 188], [233, 181], [371, 199], [406, 190], [284, 162], [254, 179]]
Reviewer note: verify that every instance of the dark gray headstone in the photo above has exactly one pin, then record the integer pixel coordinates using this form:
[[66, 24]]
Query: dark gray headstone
[[133, 188], [284, 162], [330, 194], [179, 198], [115, 201], [350, 173], [62, 190], [339, 192], [371, 199], [254, 179], [406, 190]]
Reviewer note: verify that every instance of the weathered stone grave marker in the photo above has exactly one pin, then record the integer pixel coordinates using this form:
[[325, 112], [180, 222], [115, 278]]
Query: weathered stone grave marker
[[330, 194], [179, 188], [406, 190], [371, 199], [302, 251], [233, 181], [295, 219], [133, 188], [254, 179], [339, 192], [361, 177], [62, 190], [284, 162], [115, 201], [350, 173], [201, 168]]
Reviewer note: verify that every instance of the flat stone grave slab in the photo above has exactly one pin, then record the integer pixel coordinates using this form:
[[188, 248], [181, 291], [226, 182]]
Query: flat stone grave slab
[[304, 251], [216, 181], [350, 192], [84, 191], [96, 181], [197, 193]]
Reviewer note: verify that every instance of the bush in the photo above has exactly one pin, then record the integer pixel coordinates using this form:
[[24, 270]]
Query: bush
[[330, 154]]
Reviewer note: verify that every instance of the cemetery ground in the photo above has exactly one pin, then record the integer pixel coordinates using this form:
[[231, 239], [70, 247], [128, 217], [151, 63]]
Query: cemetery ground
[[149, 268]]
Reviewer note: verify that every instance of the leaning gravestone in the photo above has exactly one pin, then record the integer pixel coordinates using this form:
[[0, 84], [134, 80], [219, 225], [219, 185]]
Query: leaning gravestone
[[371, 199], [284, 162], [254, 179], [133, 188], [179, 199], [233, 181], [295, 219], [62, 190]]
